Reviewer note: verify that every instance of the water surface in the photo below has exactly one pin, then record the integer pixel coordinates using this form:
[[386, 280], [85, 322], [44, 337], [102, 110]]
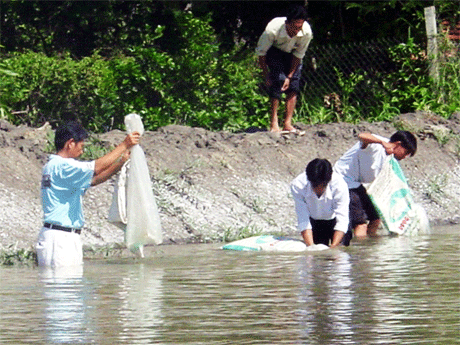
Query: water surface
[[390, 290]]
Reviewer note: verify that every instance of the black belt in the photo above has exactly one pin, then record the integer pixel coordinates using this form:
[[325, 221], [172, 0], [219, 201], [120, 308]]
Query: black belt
[[62, 228]]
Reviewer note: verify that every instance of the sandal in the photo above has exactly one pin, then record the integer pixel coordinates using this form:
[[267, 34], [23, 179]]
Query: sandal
[[293, 131]]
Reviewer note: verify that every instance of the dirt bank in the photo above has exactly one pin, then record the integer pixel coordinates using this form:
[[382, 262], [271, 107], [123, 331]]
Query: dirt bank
[[210, 185]]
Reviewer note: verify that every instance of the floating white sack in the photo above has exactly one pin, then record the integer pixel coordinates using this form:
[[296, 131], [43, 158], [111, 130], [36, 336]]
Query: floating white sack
[[393, 200], [141, 217], [271, 243], [267, 243]]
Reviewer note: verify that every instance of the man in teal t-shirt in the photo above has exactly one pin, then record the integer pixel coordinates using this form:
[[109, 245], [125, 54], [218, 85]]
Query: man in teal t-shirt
[[64, 182]]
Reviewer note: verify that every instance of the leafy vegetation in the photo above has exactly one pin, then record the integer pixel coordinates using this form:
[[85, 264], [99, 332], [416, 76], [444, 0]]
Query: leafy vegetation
[[178, 66], [11, 255], [407, 87], [195, 87]]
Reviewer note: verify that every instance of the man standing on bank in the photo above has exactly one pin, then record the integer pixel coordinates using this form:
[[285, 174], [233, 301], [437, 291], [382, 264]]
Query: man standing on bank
[[281, 49], [64, 181]]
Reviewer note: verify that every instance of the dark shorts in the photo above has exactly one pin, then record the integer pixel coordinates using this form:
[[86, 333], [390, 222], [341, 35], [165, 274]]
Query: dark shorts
[[323, 230], [361, 207], [279, 63]]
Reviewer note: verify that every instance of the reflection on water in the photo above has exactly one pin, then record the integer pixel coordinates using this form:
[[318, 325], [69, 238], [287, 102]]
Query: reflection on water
[[326, 299], [141, 296], [390, 290], [65, 307]]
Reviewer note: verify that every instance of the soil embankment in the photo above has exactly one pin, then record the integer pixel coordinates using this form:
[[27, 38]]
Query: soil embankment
[[210, 185]]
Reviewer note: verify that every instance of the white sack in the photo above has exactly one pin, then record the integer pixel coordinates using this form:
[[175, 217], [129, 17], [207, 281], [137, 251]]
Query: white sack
[[133, 205], [393, 200], [117, 211]]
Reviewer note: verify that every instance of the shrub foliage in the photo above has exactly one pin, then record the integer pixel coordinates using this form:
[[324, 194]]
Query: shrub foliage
[[194, 82]]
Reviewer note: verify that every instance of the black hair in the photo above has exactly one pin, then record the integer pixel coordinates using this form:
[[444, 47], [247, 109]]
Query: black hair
[[319, 171], [296, 12], [407, 139], [70, 130]]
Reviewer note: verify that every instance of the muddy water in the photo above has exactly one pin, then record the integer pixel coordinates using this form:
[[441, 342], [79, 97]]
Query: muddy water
[[390, 290]]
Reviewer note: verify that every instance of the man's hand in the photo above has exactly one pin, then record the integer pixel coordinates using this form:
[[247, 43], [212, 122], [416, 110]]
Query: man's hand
[[389, 147], [286, 84], [132, 139]]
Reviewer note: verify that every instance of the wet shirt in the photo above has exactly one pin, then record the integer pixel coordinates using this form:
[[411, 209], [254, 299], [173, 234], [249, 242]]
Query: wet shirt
[[333, 203], [275, 35], [64, 181], [358, 165]]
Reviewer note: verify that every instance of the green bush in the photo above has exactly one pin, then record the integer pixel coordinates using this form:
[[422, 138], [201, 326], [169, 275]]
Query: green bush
[[49, 89], [195, 85]]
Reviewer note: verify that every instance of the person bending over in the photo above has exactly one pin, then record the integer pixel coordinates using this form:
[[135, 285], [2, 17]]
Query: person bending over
[[280, 49], [321, 203], [361, 164]]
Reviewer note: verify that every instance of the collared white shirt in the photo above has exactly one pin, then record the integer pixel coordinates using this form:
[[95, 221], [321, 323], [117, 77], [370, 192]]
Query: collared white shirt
[[358, 166], [275, 34], [333, 203]]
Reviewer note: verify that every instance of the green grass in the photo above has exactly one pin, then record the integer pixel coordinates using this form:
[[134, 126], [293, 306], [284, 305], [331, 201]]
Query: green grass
[[11, 255]]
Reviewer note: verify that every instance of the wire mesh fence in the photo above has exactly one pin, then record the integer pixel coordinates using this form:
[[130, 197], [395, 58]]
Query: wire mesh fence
[[353, 71]]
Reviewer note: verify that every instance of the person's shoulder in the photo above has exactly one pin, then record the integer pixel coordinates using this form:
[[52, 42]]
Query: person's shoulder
[[338, 181], [70, 163], [54, 159], [306, 29], [300, 181], [276, 23]]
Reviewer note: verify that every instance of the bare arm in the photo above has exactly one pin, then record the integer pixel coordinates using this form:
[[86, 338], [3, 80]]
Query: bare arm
[[308, 237], [106, 161], [294, 64], [337, 238], [111, 163], [111, 170], [368, 138]]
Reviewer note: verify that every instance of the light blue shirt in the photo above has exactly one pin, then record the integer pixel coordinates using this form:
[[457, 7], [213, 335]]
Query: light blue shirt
[[64, 181]]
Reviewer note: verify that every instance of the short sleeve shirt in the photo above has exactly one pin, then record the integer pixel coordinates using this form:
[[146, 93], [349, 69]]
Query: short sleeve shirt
[[64, 181], [358, 165], [275, 35]]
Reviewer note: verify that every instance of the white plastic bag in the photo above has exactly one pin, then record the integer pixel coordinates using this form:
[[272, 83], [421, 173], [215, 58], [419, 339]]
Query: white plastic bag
[[117, 211], [134, 194], [393, 200]]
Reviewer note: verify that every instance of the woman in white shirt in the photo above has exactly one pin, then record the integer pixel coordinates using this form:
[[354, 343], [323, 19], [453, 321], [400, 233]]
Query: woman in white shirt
[[321, 201]]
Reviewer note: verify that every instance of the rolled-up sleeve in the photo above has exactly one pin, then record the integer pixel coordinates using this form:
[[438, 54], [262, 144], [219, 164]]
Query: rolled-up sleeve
[[303, 216], [300, 52], [265, 42], [341, 205], [301, 49]]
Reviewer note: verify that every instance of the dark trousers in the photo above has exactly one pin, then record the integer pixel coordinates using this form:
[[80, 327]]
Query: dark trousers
[[279, 63], [323, 230]]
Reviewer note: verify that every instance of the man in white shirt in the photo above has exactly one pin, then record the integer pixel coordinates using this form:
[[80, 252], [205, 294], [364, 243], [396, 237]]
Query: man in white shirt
[[321, 203], [281, 49], [361, 164], [64, 181]]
